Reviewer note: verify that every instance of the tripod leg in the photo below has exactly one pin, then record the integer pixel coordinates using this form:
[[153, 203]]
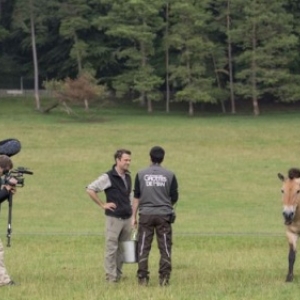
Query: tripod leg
[[9, 230]]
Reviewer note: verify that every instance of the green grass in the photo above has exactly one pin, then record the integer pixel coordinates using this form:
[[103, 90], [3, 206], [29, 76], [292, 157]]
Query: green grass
[[228, 237]]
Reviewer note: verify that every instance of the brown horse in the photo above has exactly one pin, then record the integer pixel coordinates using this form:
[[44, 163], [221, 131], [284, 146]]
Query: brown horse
[[291, 212]]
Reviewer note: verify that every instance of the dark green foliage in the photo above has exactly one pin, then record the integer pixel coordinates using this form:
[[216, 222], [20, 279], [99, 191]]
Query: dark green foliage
[[211, 50]]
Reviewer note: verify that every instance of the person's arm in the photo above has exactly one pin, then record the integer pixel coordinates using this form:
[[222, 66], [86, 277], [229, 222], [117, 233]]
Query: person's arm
[[135, 206], [4, 193], [174, 190], [97, 186], [135, 201], [7, 188], [94, 196]]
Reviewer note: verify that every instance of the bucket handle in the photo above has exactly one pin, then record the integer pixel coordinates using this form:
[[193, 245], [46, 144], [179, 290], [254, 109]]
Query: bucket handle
[[134, 235]]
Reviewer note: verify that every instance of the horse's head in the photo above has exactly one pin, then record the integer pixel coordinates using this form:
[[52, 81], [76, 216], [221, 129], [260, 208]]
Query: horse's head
[[290, 196]]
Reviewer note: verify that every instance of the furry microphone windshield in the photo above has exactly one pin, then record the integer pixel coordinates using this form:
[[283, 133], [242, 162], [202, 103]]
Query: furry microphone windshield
[[10, 147]]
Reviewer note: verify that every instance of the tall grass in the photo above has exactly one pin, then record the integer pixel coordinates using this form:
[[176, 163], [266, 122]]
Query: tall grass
[[228, 237]]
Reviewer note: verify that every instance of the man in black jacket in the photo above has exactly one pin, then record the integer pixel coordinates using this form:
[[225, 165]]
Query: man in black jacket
[[7, 187], [116, 183]]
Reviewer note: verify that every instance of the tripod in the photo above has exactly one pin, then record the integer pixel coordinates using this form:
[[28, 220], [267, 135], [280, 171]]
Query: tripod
[[9, 229]]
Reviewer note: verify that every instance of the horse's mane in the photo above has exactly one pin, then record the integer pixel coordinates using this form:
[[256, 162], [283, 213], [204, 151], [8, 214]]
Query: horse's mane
[[294, 173]]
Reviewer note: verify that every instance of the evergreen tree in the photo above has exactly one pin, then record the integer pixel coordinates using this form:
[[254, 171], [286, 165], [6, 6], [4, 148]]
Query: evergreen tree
[[264, 33], [3, 30], [134, 23], [290, 91], [189, 37], [3, 33], [9, 68], [28, 17], [223, 49], [167, 54], [74, 16], [204, 51]]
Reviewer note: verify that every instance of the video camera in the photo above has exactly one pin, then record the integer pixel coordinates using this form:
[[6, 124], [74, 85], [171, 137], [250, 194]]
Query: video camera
[[18, 174]]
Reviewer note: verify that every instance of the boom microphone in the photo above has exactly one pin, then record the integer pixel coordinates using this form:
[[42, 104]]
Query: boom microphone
[[10, 147]]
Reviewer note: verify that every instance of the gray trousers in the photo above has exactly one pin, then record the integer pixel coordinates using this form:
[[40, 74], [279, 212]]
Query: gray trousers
[[4, 277], [117, 231]]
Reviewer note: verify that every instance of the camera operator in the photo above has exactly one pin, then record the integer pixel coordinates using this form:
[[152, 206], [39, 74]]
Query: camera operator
[[7, 187]]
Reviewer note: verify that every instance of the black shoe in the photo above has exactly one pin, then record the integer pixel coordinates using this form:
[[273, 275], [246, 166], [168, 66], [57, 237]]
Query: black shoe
[[143, 281], [164, 281]]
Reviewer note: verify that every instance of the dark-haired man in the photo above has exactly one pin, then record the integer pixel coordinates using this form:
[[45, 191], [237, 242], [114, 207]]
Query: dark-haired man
[[155, 193], [7, 187], [116, 183]]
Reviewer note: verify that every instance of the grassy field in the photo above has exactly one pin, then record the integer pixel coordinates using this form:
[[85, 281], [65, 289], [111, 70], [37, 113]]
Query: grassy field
[[229, 238]]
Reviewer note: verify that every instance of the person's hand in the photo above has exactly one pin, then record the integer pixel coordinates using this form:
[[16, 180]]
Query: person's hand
[[133, 222], [10, 188], [110, 206], [13, 190], [11, 181]]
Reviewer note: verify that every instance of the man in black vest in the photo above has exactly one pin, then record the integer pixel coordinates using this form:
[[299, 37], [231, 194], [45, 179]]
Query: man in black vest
[[116, 183]]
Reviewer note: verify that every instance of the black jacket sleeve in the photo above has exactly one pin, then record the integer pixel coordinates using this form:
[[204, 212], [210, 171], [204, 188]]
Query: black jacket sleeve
[[3, 195], [137, 191], [174, 190]]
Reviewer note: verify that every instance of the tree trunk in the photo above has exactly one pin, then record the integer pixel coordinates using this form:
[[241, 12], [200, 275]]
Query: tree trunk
[[68, 109], [78, 57], [232, 99], [35, 60], [219, 84], [191, 108], [143, 64], [253, 73], [52, 106], [86, 104], [167, 60], [149, 106]]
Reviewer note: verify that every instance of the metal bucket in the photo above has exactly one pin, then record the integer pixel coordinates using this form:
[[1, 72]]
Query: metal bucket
[[129, 251]]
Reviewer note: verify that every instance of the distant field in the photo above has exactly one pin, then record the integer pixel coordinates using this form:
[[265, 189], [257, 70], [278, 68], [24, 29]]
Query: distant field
[[228, 237]]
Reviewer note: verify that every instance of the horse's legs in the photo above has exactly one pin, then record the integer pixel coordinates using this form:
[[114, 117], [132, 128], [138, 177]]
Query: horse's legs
[[292, 258], [292, 239]]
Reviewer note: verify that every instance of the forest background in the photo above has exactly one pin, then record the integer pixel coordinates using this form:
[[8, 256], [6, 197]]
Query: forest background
[[219, 52]]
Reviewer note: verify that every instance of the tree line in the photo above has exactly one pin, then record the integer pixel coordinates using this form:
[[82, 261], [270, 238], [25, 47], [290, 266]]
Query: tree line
[[208, 51]]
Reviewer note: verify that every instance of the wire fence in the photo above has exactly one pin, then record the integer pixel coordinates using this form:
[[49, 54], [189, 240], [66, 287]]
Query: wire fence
[[8, 81], [198, 234], [18, 86], [5, 93]]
